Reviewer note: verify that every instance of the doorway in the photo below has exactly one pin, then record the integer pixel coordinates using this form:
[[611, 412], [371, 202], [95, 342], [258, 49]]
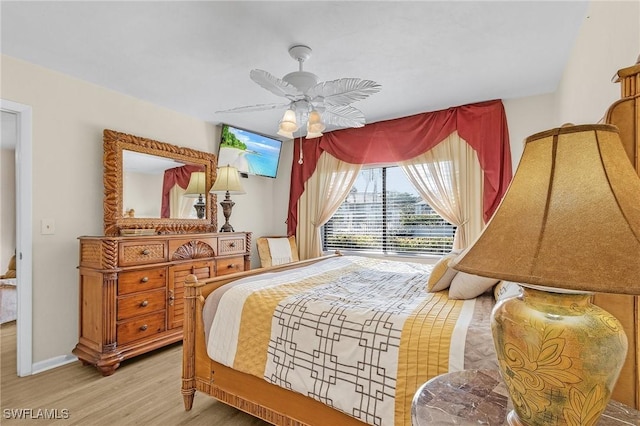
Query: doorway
[[23, 230]]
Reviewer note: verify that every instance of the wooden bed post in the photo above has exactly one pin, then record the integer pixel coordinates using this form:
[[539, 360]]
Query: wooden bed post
[[625, 114], [191, 293]]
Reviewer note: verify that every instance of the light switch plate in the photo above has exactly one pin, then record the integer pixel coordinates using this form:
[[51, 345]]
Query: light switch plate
[[47, 226]]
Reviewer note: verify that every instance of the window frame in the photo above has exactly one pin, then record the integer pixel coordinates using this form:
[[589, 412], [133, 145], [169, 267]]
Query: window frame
[[386, 251]]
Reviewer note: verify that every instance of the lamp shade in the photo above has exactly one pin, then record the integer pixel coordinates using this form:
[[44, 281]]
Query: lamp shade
[[315, 124], [288, 135], [288, 122], [197, 185], [570, 218], [228, 180], [312, 135]]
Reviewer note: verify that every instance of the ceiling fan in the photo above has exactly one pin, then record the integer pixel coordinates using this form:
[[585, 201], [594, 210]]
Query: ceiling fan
[[317, 103]]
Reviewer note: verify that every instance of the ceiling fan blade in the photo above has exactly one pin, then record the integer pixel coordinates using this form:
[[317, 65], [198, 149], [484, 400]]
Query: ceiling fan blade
[[344, 90], [343, 116], [274, 84], [259, 107]]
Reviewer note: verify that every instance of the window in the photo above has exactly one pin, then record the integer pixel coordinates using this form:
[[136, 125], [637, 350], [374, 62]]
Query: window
[[384, 214]]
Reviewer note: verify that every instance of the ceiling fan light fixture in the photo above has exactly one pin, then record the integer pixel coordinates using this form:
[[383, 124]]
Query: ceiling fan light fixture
[[313, 135], [315, 124], [288, 123], [317, 104], [288, 135]]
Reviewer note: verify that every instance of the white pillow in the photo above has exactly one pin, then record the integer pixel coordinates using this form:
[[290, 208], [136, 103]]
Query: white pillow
[[468, 286], [442, 273]]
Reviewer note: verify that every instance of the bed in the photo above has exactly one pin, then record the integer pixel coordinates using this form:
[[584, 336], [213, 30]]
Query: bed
[[8, 293], [344, 339]]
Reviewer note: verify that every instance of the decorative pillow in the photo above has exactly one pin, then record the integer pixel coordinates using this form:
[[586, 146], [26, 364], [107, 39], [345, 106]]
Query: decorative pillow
[[264, 250], [506, 289], [468, 286], [442, 273], [11, 271]]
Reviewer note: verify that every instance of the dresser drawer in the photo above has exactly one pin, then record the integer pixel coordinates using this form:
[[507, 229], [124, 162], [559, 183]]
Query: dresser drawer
[[141, 303], [231, 245], [229, 265], [140, 327], [142, 280], [143, 252]]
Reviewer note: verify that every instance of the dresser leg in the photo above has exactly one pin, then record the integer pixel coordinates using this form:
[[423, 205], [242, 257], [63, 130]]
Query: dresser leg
[[105, 363], [107, 370]]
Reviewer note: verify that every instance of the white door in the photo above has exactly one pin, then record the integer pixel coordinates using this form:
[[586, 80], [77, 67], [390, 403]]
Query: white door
[[23, 214]]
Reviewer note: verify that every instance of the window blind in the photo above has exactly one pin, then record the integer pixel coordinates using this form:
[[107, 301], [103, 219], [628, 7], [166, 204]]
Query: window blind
[[384, 214]]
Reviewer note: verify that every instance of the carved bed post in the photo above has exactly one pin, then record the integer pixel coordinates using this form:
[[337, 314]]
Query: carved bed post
[[191, 293]]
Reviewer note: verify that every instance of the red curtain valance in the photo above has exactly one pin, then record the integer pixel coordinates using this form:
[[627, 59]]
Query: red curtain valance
[[177, 175], [483, 125]]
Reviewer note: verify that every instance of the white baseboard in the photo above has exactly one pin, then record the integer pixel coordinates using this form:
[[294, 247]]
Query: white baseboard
[[48, 364]]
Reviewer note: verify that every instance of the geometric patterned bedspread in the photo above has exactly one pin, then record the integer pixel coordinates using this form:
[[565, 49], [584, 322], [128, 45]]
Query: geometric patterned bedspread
[[355, 333]]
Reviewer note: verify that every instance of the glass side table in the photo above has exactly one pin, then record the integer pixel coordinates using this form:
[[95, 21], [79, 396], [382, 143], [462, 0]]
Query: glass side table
[[479, 397]]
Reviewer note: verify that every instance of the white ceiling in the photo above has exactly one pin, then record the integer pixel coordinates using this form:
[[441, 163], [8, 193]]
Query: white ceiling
[[195, 57]]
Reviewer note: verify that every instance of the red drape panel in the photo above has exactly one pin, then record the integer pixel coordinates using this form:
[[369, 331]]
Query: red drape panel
[[482, 125], [177, 175]]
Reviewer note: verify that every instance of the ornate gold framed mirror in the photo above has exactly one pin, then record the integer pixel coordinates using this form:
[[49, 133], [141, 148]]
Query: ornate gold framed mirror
[[144, 187]]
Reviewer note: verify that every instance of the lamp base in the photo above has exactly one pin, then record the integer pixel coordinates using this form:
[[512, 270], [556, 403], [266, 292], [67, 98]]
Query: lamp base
[[513, 419], [227, 228], [227, 206], [200, 206], [559, 355]]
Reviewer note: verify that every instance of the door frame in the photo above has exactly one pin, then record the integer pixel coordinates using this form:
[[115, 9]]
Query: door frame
[[24, 235]]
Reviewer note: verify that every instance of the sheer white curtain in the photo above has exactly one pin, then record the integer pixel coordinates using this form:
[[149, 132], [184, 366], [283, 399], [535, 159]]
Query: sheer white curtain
[[324, 192], [181, 207], [449, 178]]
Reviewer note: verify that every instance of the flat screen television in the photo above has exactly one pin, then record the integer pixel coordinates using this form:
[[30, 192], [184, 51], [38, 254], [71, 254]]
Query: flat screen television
[[250, 152]]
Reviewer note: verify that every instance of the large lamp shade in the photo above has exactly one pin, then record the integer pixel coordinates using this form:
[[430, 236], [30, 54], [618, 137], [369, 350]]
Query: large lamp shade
[[570, 218]]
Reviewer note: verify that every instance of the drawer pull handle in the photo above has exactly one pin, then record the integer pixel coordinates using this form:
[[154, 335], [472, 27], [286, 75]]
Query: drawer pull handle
[[231, 266], [143, 327], [232, 244], [171, 298], [146, 252], [144, 303], [144, 279]]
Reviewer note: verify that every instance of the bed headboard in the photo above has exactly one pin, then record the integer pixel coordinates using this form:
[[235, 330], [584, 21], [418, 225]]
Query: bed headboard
[[625, 114]]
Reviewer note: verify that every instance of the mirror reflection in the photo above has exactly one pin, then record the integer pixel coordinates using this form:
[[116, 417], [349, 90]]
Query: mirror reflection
[[147, 187], [158, 187]]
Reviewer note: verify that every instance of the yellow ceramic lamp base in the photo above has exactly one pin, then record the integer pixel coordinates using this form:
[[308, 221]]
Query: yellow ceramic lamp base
[[559, 355]]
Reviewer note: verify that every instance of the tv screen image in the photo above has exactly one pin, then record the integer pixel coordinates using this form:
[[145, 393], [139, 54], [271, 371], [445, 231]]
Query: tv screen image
[[249, 152]]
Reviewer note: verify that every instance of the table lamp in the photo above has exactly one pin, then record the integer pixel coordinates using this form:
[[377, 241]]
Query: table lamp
[[569, 225], [227, 182], [197, 186]]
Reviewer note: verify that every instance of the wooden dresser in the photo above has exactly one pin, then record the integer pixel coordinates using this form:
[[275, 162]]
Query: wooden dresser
[[131, 289]]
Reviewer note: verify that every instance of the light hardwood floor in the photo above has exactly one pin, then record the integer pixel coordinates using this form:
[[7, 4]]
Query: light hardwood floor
[[144, 391]]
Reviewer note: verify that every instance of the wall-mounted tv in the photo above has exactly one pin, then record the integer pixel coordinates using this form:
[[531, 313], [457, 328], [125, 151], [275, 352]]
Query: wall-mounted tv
[[251, 153]]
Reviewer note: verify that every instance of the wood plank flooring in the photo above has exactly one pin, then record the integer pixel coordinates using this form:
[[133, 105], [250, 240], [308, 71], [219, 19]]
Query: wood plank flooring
[[143, 391]]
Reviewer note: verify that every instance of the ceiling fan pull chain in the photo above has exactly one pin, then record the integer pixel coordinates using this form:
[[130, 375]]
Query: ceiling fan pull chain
[[300, 160]]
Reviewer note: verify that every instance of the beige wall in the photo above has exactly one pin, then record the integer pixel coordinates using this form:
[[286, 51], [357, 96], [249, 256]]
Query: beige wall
[[609, 39], [69, 116]]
